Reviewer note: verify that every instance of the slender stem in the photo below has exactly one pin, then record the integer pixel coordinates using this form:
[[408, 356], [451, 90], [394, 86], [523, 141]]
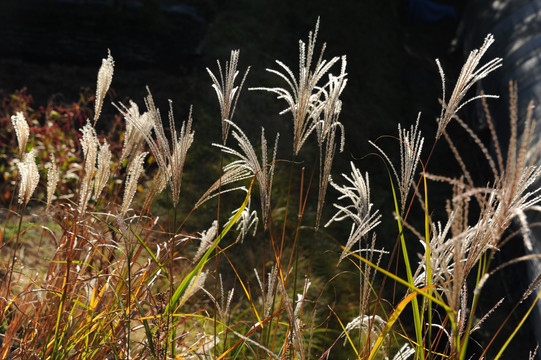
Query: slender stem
[[217, 260], [278, 254], [286, 209], [484, 265], [13, 257], [296, 253], [171, 280], [128, 315]]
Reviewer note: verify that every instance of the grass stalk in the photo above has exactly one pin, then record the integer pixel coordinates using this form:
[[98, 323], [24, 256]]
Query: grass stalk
[[171, 327], [428, 262], [417, 315]]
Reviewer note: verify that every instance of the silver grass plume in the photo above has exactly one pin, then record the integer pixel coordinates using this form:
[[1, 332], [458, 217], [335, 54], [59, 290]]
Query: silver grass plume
[[516, 192], [104, 169], [299, 304], [89, 143], [268, 293], [228, 94], [442, 256], [159, 148], [135, 170], [224, 308], [159, 182], [367, 325], [360, 209], [264, 171], [223, 304], [405, 352], [178, 157], [411, 145], [374, 324], [304, 97], [21, 131], [170, 158], [229, 176], [248, 219], [195, 285], [326, 133], [205, 240], [533, 354], [332, 104], [135, 135], [508, 199], [470, 73], [105, 77], [52, 180], [28, 177]]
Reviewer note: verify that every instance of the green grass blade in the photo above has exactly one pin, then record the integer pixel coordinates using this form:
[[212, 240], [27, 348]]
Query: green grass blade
[[412, 288], [519, 325], [148, 332], [417, 316], [181, 289], [346, 333], [390, 322], [428, 264]]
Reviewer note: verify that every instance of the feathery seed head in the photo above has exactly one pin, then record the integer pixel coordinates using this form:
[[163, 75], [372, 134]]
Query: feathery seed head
[[159, 182], [224, 307], [471, 73], [104, 169], [411, 145], [29, 177], [169, 154], [247, 220], [138, 128], [89, 143], [326, 132], [52, 180], [248, 160], [229, 176], [194, 286], [170, 158], [105, 77], [332, 104], [178, 157], [21, 130], [304, 97], [226, 91], [272, 280], [205, 240], [360, 209], [134, 172]]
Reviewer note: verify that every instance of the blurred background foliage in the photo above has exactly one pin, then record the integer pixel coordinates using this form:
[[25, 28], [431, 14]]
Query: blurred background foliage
[[54, 47]]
